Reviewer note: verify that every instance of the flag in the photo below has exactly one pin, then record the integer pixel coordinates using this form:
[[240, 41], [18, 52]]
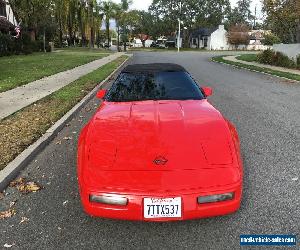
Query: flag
[[18, 31]]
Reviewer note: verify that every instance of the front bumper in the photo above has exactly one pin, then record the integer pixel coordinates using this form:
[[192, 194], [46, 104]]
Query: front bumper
[[190, 207]]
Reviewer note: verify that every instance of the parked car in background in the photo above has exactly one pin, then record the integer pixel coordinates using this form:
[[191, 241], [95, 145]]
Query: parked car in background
[[148, 43]]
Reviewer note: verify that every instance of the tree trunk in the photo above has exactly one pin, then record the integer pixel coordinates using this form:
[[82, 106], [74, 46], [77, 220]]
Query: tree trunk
[[92, 42], [81, 27], [70, 30], [60, 35], [60, 30], [98, 38], [124, 38], [32, 34], [107, 32], [44, 40], [71, 26], [118, 38], [298, 31], [186, 39]]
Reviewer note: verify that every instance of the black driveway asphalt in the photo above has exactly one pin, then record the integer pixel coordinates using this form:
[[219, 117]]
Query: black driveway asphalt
[[266, 112]]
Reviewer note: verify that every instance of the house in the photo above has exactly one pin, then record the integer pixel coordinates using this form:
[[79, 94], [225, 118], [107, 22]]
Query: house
[[137, 43], [173, 40], [217, 39], [142, 40], [256, 39], [7, 18], [210, 39]]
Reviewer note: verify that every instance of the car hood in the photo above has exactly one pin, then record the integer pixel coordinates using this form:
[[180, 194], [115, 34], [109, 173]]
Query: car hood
[[158, 135]]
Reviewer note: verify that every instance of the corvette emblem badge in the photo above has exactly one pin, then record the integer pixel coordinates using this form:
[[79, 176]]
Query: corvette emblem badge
[[160, 160]]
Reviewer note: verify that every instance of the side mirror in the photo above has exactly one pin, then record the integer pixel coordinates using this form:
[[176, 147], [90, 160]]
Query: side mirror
[[207, 91], [101, 93]]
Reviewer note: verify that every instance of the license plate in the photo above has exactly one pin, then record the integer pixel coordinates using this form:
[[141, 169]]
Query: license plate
[[162, 207]]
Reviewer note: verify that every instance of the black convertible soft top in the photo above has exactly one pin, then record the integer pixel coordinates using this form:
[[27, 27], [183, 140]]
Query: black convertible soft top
[[153, 68]]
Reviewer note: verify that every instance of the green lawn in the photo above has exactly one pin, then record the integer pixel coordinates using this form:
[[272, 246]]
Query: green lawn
[[258, 69], [83, 49], [22, 69], [247, 57], [24, 127]]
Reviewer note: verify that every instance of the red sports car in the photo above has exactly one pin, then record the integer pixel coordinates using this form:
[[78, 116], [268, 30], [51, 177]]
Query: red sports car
[[157, 150]]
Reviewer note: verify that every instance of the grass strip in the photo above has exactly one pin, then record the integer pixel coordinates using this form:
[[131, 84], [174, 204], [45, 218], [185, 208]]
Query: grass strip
[[287, 75], [22, 69], [248, 57], [23, 128]]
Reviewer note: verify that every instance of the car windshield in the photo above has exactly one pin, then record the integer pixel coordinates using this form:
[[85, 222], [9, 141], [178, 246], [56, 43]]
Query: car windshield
[[154, 86]]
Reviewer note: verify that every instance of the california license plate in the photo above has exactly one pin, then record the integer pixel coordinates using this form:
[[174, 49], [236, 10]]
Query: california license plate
[[162, 207]]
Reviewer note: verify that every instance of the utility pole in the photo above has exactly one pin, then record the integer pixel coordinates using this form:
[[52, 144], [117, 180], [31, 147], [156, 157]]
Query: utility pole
[[255, 13], [179, 24]]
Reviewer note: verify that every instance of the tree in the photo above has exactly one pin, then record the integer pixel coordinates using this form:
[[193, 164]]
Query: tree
[[118, 18], [82, 20], [241, 14], [283, 18], [94, 20], [122, 17], [194, 14], [34, 15], [239, 35], [126, 20], [270, 39], [64, 18], [108, 9]]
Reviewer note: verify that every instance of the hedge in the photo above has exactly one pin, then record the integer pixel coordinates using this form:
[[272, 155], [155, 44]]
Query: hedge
[[23, 45], [278, 59]]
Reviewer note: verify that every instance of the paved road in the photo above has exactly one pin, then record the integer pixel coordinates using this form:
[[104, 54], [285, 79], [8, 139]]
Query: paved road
[[266, 113]]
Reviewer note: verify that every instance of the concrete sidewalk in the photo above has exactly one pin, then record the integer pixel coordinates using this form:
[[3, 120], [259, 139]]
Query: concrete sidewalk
[[234, 59], [20, 97]]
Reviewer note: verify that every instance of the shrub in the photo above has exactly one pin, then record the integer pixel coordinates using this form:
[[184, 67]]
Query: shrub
[[270, 39], [5, 45], [37, 46], [48, 48], [23, 45], [275, 58], [266, 56], [283, 61]]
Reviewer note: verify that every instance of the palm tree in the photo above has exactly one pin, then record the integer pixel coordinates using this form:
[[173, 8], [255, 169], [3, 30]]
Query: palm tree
[[121, 17], [89, 20], [118, 17], [95, 19], [109, 9]]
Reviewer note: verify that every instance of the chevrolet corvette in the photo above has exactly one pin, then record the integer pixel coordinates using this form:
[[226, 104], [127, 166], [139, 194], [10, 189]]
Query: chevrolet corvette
[[157, 150]]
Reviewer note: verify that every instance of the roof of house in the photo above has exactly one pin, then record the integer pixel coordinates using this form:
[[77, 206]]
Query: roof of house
[[203, 32], [153, 68]]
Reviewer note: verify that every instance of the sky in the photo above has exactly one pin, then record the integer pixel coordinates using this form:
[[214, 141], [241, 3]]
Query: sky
[[144, 4]]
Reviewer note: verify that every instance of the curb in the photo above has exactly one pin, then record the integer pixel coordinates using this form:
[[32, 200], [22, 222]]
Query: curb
[[253, 70], [12, 170]]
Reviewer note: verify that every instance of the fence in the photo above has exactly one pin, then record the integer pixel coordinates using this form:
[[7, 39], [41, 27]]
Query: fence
[[291, 50]]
